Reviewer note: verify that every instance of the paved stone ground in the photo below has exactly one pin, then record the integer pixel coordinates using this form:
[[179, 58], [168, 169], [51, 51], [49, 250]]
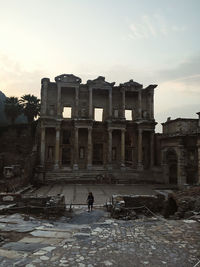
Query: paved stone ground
[[77, 194], [94, 239]]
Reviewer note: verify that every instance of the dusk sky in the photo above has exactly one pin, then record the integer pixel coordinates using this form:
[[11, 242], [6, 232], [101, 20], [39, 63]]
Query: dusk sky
[[149, 41]]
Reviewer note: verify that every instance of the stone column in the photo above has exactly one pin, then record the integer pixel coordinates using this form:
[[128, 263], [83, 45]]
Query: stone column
[[42, 146], [139, 104], [151, 105], [57, 148], [181, 175], [123, 148], [110, 103], [75, 166], [198, 150], [140, 164], [76, 101], [59, 108], [45, 82], [123, 103], [89, 158], [90, 104], [110, 148], [151, 149]]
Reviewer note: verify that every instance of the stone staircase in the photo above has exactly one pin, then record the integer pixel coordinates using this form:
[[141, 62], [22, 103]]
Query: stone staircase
[[129, 176]]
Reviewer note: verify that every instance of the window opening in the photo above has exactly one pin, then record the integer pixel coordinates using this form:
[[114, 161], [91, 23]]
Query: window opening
[[98, 114], [128, 114], [67, 112]]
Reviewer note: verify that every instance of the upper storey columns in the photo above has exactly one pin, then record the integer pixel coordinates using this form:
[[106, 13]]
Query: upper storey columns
[[99, 84], [67, 80], [45, 83]]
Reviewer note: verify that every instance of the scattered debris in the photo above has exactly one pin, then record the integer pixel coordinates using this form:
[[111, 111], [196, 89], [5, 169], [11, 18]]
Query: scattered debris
[[183, 204], [15, 202], [129, 207]]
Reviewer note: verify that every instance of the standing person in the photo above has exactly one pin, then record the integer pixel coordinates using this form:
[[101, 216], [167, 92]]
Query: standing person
[[90, 201]]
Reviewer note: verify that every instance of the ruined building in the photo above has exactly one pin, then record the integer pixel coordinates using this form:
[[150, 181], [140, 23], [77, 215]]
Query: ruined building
[[96, 125], [179, 151]]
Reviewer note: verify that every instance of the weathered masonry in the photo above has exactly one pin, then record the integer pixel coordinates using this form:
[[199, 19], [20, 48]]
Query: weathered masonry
[[96, 125], [180, 151]]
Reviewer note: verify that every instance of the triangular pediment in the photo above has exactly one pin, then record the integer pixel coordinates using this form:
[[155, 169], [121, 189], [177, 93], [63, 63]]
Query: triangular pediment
[[68, 78]]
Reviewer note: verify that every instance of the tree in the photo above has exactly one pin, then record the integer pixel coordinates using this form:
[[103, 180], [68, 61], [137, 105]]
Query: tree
[[31, 107], [12, 108]]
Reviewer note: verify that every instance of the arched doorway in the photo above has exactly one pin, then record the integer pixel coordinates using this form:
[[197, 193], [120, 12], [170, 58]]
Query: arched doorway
[[171, 160]]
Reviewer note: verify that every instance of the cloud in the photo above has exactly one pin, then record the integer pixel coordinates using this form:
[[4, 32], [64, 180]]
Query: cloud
[[185, 76], [15, 81], [153, 26]]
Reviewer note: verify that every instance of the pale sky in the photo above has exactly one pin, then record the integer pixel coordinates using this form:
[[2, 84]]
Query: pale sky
[[150, 41]]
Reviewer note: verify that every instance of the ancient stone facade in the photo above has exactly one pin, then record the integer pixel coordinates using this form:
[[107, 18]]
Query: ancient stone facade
[[96, 125], [179, 146]]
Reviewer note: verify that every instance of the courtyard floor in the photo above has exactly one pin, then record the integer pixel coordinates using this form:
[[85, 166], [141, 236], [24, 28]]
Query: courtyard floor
[[94, 239]]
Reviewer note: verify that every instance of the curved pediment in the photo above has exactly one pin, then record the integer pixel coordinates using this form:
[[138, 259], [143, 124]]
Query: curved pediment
[[100, 83], [68, 78]]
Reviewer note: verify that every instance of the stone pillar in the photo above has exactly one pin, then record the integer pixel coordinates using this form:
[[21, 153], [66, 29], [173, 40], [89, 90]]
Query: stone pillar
[[76, 101], [151, 105], [90, 104], [151, 149], [139, 104], [123, 103], [140, 164], [110, 148], [45, 83], [198, 150], [110, 103], [89, 158], [57, 148], [75, 165], [42, 146], [123, 148], [59, 108], [181, 175]]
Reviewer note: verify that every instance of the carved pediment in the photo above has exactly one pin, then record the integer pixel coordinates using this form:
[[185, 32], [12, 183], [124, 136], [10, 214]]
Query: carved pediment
[[131, 84], [100, 82], [68, 78]]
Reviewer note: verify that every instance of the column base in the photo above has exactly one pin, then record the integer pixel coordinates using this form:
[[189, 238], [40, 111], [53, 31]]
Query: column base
[[89, 166], [140, 167], [75, 167]]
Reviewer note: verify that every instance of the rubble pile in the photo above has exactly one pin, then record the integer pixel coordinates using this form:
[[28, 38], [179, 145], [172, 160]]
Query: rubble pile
[[183, 204], [129, 207], [15, 202]]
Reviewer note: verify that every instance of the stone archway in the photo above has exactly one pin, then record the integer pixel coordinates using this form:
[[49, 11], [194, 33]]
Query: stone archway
[[172, 163]]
